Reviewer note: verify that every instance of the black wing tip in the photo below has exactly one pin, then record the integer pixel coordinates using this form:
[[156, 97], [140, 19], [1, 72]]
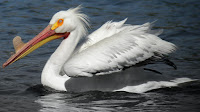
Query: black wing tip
[[170, 63], [155, 71]]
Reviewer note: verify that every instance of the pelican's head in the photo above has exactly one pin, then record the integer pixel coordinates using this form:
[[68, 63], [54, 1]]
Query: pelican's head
[[68, 21], [61, 25]]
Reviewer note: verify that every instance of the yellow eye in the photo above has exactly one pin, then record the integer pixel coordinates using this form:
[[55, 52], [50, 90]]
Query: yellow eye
[[57, 24]]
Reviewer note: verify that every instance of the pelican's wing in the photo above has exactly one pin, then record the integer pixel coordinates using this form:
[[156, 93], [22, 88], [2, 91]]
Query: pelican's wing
[[110, 28], [125, 48], [106, 30]]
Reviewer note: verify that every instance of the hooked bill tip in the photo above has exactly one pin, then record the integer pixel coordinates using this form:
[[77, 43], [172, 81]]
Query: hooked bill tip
[[3, 66]]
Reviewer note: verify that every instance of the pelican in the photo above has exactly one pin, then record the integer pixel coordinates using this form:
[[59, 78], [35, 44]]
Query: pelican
[[109, 59]]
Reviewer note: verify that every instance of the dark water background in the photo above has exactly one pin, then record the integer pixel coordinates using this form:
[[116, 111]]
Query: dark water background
[[20, 88]]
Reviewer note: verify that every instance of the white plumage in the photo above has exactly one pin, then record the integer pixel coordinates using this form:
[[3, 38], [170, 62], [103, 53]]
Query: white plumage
[[114, 46], [97, 61], [109, 49]]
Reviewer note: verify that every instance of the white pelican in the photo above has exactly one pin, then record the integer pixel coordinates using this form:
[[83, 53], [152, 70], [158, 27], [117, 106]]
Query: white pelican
[[96, 61]]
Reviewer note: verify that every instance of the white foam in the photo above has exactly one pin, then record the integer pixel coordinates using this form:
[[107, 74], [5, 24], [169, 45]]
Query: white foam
[[150, 85]]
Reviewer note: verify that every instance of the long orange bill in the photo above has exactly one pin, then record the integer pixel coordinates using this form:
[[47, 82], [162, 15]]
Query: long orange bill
[[24, 49]]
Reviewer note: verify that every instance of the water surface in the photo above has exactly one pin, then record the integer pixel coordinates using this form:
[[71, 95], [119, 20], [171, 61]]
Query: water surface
[[20, 88]]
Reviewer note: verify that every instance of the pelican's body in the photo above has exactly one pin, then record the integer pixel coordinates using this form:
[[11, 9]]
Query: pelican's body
[[99, 58]]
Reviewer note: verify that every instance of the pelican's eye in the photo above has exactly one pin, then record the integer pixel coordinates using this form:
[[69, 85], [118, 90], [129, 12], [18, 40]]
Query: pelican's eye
[[60, 20], [57, 24]]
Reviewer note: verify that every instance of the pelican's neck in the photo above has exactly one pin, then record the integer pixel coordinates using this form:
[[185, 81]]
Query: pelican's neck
[[50, 74], [65, 49]]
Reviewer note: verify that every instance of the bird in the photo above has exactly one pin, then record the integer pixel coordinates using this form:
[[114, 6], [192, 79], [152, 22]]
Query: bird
[[109, 59]]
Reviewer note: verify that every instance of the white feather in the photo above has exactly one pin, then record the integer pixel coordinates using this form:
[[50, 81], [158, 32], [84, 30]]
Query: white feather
[[111, 48], [115, 46]]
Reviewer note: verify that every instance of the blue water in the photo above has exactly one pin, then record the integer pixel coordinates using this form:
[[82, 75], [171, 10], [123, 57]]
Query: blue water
[[20, 88]]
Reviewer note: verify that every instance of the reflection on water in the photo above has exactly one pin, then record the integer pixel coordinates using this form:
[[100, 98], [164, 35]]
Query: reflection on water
[[54, 102], [89, 101], [26, 18], [167, 99]]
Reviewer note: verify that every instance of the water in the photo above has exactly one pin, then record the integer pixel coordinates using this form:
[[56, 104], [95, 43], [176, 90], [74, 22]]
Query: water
[[20, 88]]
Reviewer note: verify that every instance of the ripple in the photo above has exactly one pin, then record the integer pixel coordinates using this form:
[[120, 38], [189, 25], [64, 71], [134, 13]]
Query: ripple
[[180, 21]]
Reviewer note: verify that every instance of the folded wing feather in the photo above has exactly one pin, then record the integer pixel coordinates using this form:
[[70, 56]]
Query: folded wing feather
[[127, 46]]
